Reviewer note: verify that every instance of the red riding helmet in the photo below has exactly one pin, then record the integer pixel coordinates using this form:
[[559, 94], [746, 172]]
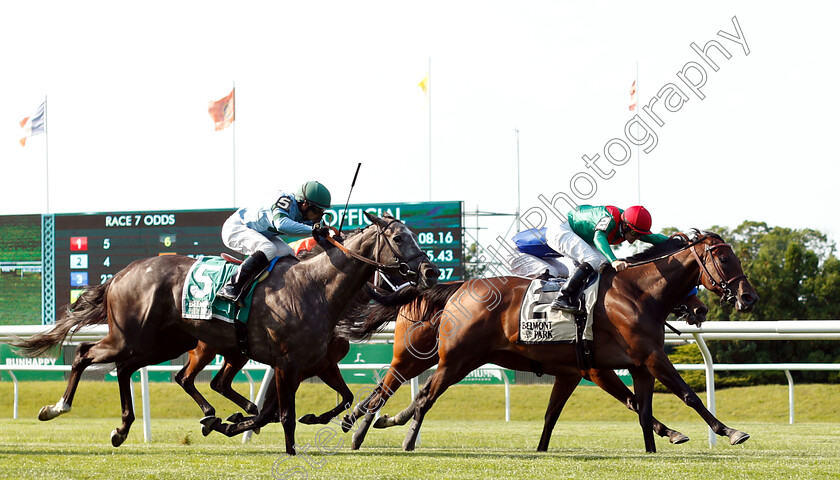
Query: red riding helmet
[[638, 218]]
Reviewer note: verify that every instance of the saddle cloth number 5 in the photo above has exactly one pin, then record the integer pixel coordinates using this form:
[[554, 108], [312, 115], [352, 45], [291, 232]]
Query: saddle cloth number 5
[[202, 275]]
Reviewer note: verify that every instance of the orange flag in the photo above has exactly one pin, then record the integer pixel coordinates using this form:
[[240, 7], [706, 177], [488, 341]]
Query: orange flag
[[633, 97], [222, 111]]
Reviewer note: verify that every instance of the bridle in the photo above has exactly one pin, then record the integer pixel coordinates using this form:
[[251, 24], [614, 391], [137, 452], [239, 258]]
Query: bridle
[[728, 296], [724, 283], [400, 265]]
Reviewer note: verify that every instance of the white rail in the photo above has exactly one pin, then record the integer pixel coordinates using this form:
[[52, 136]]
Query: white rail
[[758, 330]]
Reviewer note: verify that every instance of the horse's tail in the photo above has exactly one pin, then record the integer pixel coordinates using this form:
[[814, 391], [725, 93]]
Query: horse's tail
[[89, 309], [362, 321]]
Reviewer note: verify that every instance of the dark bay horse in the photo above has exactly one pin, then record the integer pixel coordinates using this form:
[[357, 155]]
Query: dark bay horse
[[480, 322], [415, 351], [293, 315], [383, 283]]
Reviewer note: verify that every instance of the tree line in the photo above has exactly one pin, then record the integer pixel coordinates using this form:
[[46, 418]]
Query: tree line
[[797, 277]]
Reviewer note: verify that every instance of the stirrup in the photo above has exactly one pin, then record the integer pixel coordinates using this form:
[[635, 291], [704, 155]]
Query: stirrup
[[228, 292], [564, 304]]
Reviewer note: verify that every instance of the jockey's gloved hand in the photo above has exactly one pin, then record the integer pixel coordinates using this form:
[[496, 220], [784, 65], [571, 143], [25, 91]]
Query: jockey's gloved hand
[[320, 231]]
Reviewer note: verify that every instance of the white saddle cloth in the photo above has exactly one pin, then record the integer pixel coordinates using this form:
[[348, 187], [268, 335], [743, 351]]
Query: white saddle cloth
[[539, 324]]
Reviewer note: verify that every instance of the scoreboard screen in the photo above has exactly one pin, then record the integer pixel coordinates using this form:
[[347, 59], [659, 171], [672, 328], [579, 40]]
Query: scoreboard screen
[[88, 249], [91, 248]]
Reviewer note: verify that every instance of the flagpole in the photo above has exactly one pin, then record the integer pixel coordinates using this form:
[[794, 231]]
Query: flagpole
[[234, 144], [430, 128], [47, 152], [638, 155]]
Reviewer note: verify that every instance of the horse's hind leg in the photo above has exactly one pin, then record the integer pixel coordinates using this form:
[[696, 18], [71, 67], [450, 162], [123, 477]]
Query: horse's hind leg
[[563, 387], [186, 379], [662, 368], [87, 354], [124, 373], [610, 383], [223, 382], [443, 378]]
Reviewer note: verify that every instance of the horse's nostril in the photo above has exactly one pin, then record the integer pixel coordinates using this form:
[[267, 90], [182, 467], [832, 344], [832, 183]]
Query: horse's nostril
[[747, 299], [432, 273]]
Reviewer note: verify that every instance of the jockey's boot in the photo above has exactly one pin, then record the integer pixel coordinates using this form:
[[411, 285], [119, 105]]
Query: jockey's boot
[[567, 301], [248, 271]]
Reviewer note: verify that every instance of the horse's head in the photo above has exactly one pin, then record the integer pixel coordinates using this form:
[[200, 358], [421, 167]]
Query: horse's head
[[692, 310], [721, 273], [397, 249]]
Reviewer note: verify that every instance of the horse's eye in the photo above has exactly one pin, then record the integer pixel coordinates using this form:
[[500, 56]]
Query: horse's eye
[[724, 259], [398, 238]]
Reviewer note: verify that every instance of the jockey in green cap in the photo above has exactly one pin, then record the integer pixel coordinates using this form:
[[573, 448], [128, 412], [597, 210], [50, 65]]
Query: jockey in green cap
[[256, 231]]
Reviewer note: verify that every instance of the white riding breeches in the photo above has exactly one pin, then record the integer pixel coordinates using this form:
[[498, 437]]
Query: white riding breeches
[[242, 239], [561, 237]]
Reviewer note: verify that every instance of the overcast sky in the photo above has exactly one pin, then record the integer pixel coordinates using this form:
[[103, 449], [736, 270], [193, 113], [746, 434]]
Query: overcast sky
[[323, 85]]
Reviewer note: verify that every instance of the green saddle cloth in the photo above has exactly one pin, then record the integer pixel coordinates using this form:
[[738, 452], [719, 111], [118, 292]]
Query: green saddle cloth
[[206, 277]]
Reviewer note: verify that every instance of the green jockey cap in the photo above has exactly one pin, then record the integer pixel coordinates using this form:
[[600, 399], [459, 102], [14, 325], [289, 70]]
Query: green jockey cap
[[315, 193]]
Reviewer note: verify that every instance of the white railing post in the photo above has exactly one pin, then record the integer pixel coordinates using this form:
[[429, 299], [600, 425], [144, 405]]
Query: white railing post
[[147, 405], [17, 395], [790, 394], [710, 381], [268, 379]]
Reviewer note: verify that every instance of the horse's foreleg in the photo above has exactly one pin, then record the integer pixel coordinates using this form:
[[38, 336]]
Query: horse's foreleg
[[287, 381], [120, 433], [664, 371], [434, 388], [186, 379], [560, 393], [643, 384], [332, 377], [610, 383]]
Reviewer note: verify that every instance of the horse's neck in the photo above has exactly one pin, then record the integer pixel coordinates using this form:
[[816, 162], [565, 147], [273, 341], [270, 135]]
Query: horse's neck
[[668, 281], [343, 276]]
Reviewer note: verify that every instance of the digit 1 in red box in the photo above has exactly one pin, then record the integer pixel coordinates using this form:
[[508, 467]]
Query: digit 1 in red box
[[78, 244]]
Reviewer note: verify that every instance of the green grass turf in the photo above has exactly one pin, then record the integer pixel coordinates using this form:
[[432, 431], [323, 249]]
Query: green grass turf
[[464, 436]]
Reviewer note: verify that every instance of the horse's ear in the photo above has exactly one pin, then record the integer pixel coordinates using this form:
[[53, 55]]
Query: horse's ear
[[374, 219]]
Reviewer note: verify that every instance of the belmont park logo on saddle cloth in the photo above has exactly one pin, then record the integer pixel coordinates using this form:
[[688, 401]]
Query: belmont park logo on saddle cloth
[[205, 278], [538, 323]]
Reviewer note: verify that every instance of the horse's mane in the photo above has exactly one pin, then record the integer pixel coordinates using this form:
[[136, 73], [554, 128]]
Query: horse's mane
[[672, 245], [364, 319]]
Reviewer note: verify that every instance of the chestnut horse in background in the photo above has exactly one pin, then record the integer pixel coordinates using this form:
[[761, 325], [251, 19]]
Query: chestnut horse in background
[[415, 344], [480, 324]]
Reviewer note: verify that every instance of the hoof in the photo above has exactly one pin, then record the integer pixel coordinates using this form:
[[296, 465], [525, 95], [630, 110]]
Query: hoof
[[234, 418], [347, 423], [209, 424], [309, 419], [256, 430], [738, 437], [408, 447], [117, 438], [678, 439], [382, 422], [46, 413]]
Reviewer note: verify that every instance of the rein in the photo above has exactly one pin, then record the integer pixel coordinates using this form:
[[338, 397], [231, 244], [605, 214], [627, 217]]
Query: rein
[[400, 264]]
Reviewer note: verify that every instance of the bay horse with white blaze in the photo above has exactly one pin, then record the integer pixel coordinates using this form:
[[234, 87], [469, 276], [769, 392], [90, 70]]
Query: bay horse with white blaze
[[293, 315], [481, 322]]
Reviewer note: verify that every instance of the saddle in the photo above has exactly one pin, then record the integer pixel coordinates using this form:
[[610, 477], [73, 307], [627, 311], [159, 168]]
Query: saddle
[[205, 277], [539, 324]]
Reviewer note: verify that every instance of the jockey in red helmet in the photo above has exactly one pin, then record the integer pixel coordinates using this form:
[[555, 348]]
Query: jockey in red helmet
[[587, 237]]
